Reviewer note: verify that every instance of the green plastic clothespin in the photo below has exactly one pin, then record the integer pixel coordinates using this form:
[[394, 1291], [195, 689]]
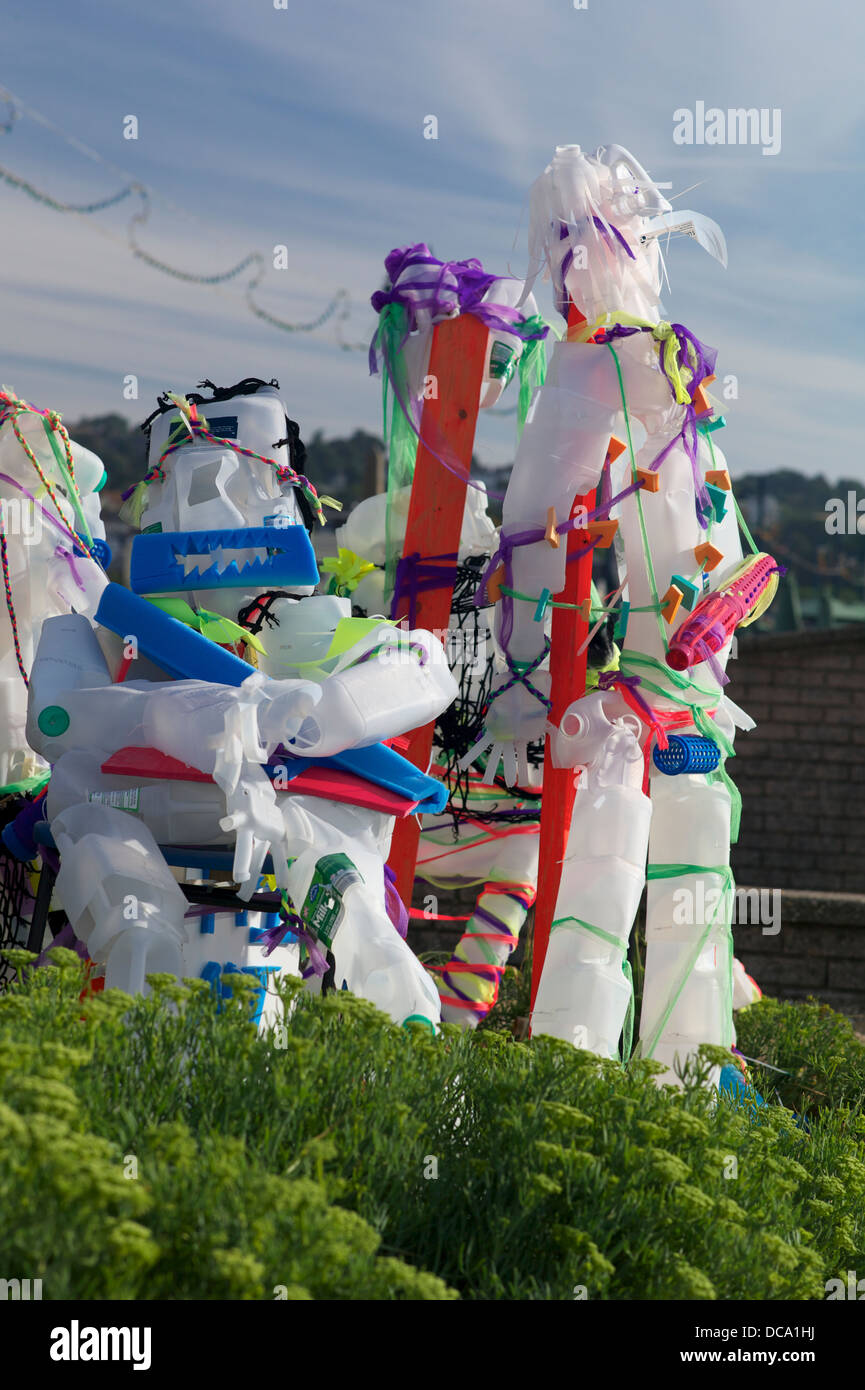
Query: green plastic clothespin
[[718, 498], [543, 603], [690, 591], [622, 623]]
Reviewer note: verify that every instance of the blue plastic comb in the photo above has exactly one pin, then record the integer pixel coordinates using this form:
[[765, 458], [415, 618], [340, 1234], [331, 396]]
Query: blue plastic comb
[[157, 560]]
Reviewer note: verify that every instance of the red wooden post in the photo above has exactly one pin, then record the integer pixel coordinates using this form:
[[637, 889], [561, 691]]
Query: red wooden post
[[456, 364], [567, 683]]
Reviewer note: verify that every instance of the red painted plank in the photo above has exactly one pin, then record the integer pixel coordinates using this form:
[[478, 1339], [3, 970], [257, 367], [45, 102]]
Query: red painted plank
[[567, 683], [456, 364]]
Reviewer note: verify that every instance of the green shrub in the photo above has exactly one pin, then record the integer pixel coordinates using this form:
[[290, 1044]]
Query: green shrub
[[343, 1157], [821, 1061]]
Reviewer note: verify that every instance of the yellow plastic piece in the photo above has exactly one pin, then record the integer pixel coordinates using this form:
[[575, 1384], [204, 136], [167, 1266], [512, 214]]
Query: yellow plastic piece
[[767, 595]]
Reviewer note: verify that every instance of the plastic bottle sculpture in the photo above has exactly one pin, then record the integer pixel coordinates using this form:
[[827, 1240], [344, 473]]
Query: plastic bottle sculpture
[[624, 411], [487, 838], [160, 736], [53, 556]]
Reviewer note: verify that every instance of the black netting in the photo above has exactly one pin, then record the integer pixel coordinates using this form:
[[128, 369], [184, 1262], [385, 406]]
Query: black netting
[[16, 897], [460, 727]]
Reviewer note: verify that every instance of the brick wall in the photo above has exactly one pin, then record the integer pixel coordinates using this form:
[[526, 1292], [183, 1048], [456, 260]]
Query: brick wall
[[819, 950], [801, 772]]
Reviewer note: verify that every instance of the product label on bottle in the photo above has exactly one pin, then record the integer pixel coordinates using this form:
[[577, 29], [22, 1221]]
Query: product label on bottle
[[503, 360], [322, 909], [225, 426], [124, 798]]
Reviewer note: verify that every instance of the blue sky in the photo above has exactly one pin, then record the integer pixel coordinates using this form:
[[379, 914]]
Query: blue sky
[[304, 126]]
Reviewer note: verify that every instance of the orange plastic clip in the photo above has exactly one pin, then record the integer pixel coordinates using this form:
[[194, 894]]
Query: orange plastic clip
[[605, 529], [650, 482], [671, 603], [551, 535], [494, 584], [708, 556], [719, 477], [614, 448], [701, 403]]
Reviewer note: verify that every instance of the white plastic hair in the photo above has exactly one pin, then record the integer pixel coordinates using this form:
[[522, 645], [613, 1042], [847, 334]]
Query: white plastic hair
[[594, 225]]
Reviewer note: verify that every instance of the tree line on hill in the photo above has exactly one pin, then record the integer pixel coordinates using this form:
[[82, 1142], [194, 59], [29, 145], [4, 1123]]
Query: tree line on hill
[[790, 514]]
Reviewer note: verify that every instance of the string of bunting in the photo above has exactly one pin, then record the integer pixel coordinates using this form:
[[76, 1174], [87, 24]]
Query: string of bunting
[[255, 261]]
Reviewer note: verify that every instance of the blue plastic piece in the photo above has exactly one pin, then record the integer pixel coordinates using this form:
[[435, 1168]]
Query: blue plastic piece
[[99, 549], [377, 764], [185, 654], [718, 498], [174, 647], [206, 924], [687, 753], [156, 566], [212, 971], [19, 836], [732, 1082]]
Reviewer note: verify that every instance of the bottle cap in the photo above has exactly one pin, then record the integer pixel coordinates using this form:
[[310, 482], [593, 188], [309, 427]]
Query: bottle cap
[[53, 720]]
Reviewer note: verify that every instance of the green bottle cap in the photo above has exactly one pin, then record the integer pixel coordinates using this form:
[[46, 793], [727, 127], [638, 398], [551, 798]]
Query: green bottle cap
[[53, 720]]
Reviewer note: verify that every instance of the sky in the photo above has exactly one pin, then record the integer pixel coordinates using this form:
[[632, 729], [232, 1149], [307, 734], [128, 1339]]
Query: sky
[[303, 126]]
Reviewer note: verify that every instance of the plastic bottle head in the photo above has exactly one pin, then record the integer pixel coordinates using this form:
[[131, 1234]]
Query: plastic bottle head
[[283, 710]]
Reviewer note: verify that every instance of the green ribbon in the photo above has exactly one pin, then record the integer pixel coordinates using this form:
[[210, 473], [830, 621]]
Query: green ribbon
[[628, 1025], [532, 366], [702, 721], [644, 1047], [650, 568], [71, 486], [400, 439]]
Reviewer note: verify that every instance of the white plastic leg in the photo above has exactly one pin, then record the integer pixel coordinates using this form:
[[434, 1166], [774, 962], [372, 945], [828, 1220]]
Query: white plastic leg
[[119, 894], [583, 995], [687, 996]]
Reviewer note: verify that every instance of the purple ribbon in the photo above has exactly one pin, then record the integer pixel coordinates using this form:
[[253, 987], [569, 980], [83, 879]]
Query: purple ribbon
[[561, 294], [700, 360], [396, 908], [292, 924], [605, 228], [466, 282], [415, 576], [69, 941]]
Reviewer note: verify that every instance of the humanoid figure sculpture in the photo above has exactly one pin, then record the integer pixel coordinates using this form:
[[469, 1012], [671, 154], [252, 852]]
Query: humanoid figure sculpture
[[287, 765], [624, 411]]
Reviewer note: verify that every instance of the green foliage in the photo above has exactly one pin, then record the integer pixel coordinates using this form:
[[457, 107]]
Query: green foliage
[[821, 1061], [342, 1157], [118, 442]]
